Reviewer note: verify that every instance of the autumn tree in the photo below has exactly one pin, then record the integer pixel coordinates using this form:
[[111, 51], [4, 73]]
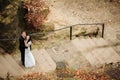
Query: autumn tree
[[36, 12]]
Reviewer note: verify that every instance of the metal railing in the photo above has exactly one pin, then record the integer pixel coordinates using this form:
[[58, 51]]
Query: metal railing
[[102, 25], [70, 27]]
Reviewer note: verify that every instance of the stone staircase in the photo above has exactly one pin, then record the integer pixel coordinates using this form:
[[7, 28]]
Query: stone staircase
[[8, 64], [78, 53], [96, 51], [44, 63]]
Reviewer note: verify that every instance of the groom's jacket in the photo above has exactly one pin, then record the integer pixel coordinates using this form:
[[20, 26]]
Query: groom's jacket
[[21, 43]]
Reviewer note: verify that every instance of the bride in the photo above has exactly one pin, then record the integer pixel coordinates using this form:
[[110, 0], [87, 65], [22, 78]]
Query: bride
[[29, 59]]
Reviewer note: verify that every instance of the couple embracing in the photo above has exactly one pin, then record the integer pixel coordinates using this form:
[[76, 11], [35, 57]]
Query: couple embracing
[[27, 58]]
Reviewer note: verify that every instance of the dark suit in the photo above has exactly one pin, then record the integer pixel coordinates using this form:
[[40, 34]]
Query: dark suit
[[22, 49]]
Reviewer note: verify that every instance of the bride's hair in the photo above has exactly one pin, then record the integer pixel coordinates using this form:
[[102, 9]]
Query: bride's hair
[[29, 41]]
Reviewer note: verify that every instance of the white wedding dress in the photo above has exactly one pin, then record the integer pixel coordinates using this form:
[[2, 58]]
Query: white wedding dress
[[29, 58]]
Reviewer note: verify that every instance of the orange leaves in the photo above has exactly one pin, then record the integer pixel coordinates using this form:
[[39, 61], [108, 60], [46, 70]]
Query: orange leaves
[[82, 74], [65, 73], [33, 76], [35, 14]]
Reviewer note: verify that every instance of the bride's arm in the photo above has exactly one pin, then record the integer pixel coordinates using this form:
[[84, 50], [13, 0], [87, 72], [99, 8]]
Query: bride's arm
[[27, 45]]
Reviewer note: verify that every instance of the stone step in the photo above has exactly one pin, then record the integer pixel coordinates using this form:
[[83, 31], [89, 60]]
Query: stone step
[[66, 52], [74, 57], [54, 56], [57, 52], [18, 69], [5, 67], [44, 61], [100, 51], [105, 53], [93, 60], [94, 51], [81, 44], [92, 43], [100, 42], [84, 46], [47, 58]]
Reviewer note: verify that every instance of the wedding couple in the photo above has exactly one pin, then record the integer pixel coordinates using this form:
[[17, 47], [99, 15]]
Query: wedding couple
[[27, 58]]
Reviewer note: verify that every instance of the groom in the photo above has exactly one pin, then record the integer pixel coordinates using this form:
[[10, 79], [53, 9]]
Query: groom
[[22, 47]]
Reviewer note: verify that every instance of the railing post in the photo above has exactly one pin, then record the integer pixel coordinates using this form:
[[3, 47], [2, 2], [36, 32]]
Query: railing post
[[103, 27], [70, 32]]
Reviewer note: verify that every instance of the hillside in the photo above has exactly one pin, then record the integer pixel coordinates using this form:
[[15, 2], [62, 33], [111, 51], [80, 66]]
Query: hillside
[[64, 12], [69, 12]]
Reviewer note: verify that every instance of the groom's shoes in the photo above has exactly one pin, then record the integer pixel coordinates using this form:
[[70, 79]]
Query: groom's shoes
[[23, 64]]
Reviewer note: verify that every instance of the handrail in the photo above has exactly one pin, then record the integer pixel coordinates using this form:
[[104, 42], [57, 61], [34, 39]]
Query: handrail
[[71, 27]]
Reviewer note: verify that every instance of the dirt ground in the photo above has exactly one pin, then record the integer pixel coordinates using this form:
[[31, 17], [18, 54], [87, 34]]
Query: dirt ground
[[68, 12]]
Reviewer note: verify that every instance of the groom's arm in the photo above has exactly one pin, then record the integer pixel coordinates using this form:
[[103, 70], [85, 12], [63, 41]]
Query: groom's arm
[[26, 47], [21, 42], [25, 44]]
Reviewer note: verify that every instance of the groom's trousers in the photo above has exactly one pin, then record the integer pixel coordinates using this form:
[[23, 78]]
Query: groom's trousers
[[22, 56]]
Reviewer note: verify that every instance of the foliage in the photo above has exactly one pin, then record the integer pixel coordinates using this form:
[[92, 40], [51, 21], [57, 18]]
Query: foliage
[[9, 24], [105, 72], [90, 75], [36, 12], [13, 19], [80, 76], [67, 74]]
